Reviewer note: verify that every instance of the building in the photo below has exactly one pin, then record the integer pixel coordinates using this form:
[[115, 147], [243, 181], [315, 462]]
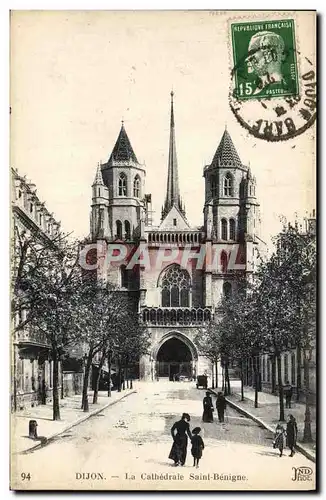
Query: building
[[187, 269], [31, 363]]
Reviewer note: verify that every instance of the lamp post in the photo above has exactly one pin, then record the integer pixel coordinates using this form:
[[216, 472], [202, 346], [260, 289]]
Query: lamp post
[[307, 435]]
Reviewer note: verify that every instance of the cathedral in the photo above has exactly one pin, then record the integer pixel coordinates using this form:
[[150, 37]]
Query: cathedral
[[188, 269]]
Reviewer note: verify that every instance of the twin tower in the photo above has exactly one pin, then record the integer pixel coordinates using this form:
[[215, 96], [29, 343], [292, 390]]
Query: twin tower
[[121, 210], [176, 298]]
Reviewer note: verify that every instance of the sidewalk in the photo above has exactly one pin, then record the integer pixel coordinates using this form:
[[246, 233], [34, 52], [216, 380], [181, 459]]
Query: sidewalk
[[47, 429], [267, 414]]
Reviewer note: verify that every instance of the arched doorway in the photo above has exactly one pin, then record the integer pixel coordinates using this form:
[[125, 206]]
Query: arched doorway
[[174, 358]]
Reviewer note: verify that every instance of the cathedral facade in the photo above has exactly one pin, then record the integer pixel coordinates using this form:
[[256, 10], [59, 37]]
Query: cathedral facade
[[181, 271]]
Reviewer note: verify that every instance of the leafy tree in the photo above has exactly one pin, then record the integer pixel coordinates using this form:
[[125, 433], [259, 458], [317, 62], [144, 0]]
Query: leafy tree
[[52, 292], [284, 299], [208, 343], [240, 329]]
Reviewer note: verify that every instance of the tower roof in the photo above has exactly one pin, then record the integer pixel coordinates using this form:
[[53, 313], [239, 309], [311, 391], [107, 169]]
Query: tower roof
[[122, 150], [98, 177], [226, 154], [172, 190]]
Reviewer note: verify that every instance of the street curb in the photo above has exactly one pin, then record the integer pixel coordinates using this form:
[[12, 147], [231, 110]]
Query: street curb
[[260, 422], [73, 424]]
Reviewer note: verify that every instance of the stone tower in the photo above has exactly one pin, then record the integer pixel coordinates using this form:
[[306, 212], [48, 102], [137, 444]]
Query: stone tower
[[230, 219], [124, 178]]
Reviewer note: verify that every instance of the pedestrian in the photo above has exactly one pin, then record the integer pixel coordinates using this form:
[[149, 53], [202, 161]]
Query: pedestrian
[[288, 392], [197, 446], [220, 406], [179, 431], [208, 408], [291, 434], [279, 438]]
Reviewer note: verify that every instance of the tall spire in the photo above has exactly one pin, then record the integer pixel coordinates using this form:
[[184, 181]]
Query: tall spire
[[172, 190]]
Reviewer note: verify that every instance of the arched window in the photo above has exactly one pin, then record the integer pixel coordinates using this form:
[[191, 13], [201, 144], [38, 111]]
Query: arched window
[[137, 187], [213, 186], [227, 289], [175, 287], [127, 230], [228, 185], [224, 261], [122, 185], [232, 229], [224, 229], [119, 229]]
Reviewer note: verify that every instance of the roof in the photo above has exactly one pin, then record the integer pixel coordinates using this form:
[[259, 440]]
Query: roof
[[122, 150], [226, 154], [98, 181]]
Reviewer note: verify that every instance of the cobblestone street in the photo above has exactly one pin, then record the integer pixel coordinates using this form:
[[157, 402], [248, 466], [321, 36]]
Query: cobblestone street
[[126, 446]]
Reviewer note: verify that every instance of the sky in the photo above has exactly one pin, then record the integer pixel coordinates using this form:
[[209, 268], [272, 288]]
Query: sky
[[76, 74]]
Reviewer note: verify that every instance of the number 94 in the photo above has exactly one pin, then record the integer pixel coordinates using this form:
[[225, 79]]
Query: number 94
[[25, 476]]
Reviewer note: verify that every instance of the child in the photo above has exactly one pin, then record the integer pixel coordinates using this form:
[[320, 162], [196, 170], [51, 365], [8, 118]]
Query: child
[[197, 446], [279, 438]]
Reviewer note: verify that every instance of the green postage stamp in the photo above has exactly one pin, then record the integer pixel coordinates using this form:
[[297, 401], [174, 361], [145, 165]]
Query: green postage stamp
[[265, 59]]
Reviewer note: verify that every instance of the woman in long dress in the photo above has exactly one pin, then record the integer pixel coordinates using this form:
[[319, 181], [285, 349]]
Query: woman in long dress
[[179, 431], [208, 408], [291, 434]]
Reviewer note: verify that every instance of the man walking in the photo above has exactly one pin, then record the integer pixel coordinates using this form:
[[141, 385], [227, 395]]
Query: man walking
[[220, 406], [288, 391]]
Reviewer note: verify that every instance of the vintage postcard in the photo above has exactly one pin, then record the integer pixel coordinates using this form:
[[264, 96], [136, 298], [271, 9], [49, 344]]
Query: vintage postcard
[[163, 250]]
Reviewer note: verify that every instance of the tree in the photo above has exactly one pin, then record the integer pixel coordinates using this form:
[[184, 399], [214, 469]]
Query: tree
[[51, 290], [132, 342], [32, 255], [283, 299], [208, 342], [102, 309], [240, 329], [126, 340]]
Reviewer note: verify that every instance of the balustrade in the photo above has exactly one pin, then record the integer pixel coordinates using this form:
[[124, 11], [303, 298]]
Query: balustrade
[[173, 237], [32, 337], [178, 316]]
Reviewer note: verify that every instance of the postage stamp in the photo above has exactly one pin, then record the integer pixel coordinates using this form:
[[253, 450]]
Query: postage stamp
[[265, 59]]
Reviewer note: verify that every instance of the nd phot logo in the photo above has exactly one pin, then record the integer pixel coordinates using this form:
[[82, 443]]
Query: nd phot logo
[[302, 473]]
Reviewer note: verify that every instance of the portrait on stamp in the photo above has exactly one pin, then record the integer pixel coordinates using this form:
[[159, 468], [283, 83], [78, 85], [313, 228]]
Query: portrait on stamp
[[265, 60]]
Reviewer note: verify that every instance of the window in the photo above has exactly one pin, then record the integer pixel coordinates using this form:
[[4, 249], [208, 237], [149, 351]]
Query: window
[[268, 370], [119, 229], [175, 287], [293, 380], [286, 368], [122, 185], [127, 230], [137, 187], [227, 289], [228, 185], [224, 262], [213, 187], [31, 207], [232, 229], [224, 229], [19, 194], [174, 222]]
